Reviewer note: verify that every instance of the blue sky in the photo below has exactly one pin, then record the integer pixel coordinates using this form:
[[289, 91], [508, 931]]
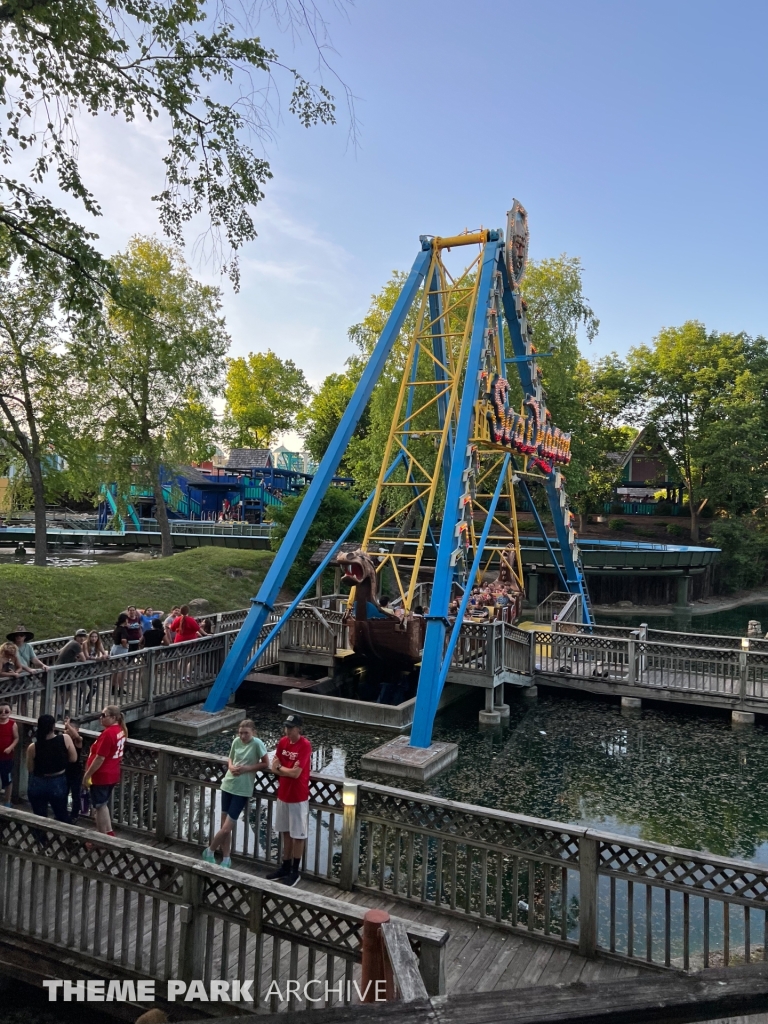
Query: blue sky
[[634, 133]]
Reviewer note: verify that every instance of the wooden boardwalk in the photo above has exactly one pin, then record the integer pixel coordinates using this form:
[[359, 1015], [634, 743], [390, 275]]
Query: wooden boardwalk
[[480, 957]]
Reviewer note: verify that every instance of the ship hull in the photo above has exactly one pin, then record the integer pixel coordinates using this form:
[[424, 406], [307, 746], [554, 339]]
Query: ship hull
[[388, 641]]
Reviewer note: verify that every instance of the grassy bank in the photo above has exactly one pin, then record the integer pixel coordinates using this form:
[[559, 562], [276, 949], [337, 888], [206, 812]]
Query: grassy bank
[[56, 601]]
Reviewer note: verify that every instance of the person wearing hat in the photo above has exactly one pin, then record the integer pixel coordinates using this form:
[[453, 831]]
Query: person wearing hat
[[21, 636], [291, 764], [73, 651]]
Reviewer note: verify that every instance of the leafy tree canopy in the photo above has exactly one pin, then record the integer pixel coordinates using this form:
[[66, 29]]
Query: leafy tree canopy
[[336, 511], [704, 392], [265, 395], [156, 371], [43, 403], [196, 66]]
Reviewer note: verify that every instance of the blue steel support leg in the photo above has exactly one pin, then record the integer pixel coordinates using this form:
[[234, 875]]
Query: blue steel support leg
[[317, 573], [231, 674], [543, 533], [572, 573], [427, 695]]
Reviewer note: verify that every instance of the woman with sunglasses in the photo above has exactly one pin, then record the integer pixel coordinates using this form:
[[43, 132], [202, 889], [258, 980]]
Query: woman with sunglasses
[[102, 769]]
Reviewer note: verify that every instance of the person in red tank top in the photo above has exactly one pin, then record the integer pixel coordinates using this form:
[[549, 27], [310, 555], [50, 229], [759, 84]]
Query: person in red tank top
[[291, 764], [186, 627], [9, 738], [102, 769]]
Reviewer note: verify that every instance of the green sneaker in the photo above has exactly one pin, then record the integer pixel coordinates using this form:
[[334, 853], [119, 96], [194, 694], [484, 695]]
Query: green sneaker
[[208, 857], [226, 862]]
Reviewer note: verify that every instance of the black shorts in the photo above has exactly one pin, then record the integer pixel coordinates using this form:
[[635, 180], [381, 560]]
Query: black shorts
[[6, 773], [100, 794], [232, 805]]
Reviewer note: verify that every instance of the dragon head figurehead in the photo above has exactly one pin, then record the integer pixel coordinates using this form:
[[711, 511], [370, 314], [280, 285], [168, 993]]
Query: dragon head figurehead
[[360, 570]]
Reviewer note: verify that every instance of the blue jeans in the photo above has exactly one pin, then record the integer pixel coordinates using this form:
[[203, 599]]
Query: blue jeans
[[43, 791]]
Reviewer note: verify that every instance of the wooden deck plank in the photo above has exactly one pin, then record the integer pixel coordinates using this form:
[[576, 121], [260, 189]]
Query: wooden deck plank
[[533, 970], [551, 973], [491, 976], [454, 971], [516, 965], [487, 955]]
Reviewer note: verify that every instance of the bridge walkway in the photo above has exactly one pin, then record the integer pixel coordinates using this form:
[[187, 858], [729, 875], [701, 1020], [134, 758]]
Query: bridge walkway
[[479, 957]]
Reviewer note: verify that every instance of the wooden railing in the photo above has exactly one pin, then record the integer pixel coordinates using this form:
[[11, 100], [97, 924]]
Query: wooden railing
[[312, 630], [580, 888], [131, 680], [552, 605], [732, 676], [148, 914]]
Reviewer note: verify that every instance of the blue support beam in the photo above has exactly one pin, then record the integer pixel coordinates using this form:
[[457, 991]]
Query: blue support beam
[[317, 573], [543, 533], [428, 695], [231, 674]]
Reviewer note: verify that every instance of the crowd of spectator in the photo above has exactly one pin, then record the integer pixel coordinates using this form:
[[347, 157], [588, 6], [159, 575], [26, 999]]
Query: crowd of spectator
[[135, 629]]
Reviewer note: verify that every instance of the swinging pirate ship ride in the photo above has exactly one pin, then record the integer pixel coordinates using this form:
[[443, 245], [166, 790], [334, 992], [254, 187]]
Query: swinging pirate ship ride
[[470, 426], [400, 542]]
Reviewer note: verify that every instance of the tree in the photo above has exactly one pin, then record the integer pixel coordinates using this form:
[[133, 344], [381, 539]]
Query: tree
[[159, 366], [336, 511], [173, 61], [264, 397], [42, 400], [705, 395], [321, 416], [557, 311]]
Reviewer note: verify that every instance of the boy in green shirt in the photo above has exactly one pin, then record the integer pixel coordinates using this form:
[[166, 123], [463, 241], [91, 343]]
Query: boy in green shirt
[[246, 756]]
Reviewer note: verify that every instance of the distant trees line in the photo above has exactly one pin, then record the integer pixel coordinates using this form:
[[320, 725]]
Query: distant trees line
[[118, 395]]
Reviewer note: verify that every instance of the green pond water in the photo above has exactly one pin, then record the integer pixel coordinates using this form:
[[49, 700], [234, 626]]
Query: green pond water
[[678, 777]]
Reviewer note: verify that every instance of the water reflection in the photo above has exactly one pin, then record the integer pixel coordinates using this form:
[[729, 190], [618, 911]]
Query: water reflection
[[732, 622], [680, 778]]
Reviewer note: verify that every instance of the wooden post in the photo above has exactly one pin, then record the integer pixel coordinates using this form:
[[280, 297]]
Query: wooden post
[[743, 677], [192, 932], [631, 667], [319, 586], [148, 677], [432, 967], [47, 705], [374, 966], [532, 653], [350, 838], [588, 864], [164, 796]]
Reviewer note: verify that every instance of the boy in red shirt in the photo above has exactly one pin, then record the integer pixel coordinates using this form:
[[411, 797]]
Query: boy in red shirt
[[102, 769], [291, 763]]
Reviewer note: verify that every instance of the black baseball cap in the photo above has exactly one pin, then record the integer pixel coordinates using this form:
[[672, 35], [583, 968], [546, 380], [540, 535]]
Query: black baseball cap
[[292, 720]]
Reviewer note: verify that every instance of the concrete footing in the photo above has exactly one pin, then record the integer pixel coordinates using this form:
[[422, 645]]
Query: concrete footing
[[531, 691], [489, 717], [503, 710], [742, 718], [398, 758], [193, 721], [631, 702]]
